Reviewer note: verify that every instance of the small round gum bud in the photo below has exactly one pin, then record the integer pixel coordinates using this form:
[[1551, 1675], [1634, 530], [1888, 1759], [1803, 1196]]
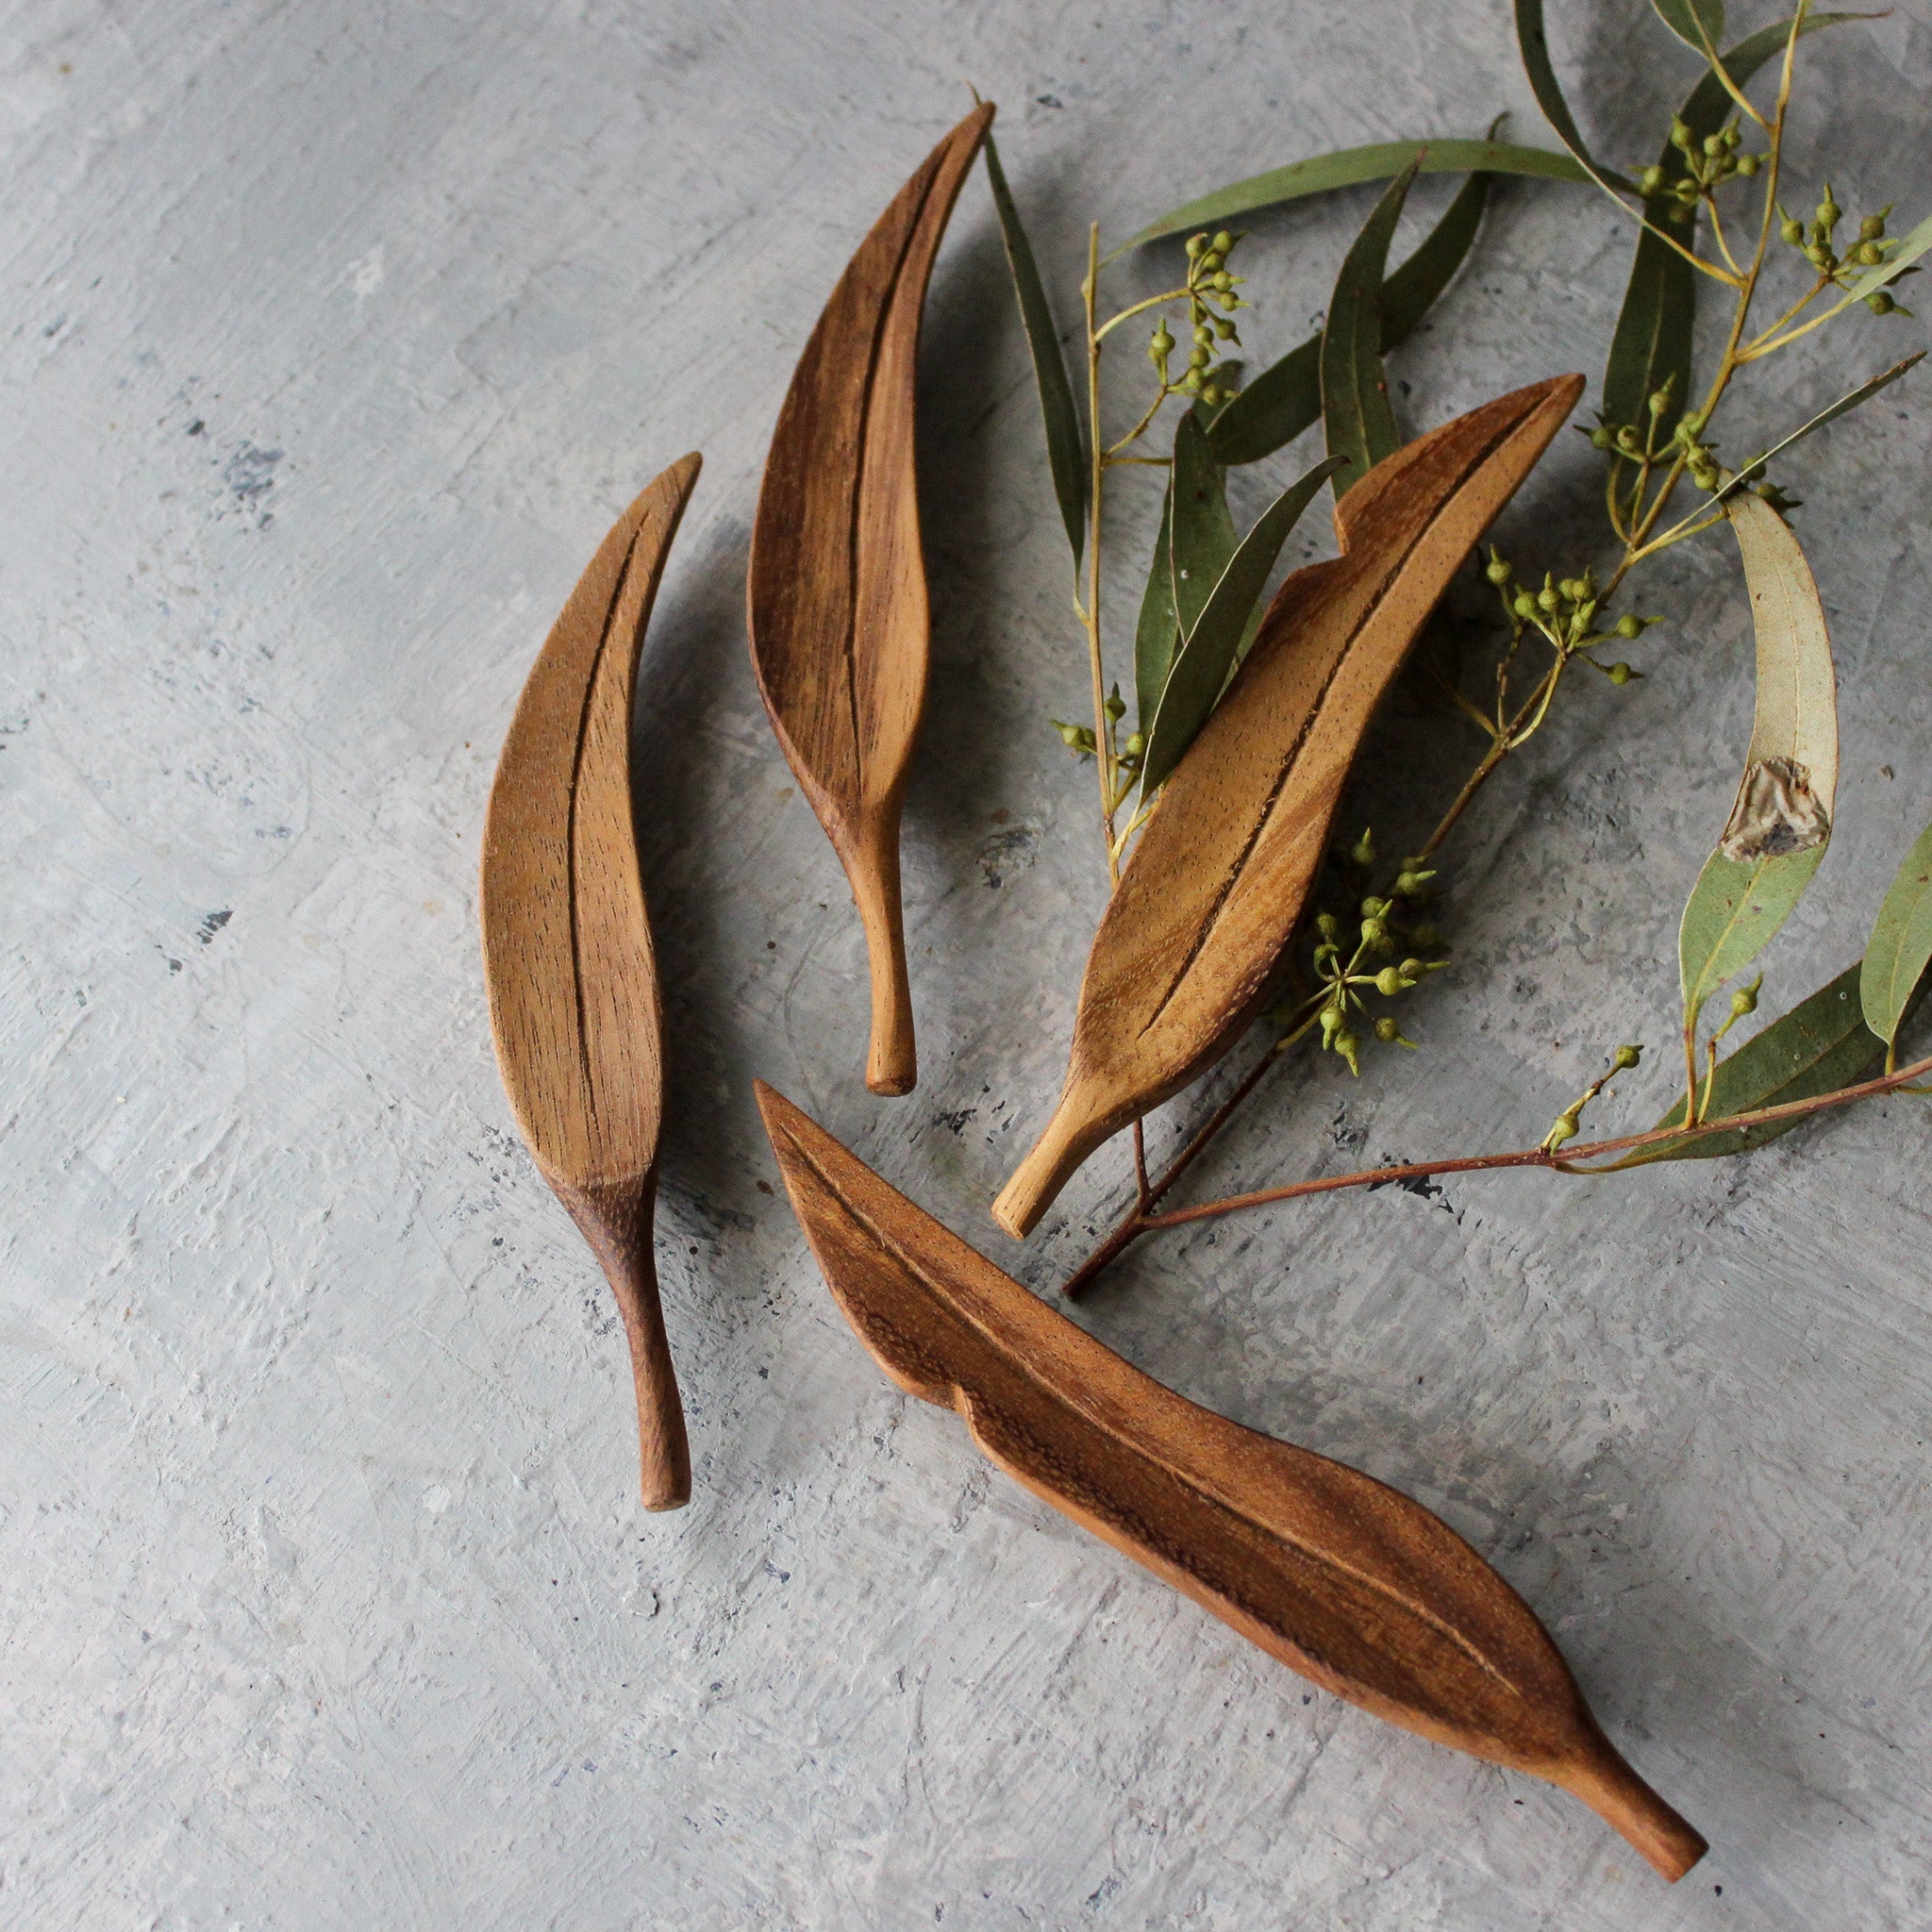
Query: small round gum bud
[[1651, 179], [1135, 745], [1389, 982], [1524, 606], [1625, 1057], [1879, 302], [1629, 625], [1713, 144], [1426, 937], [1223, 328], [1374, 935], [1748, 165], [1872, 228], [1497, 570], [1680, 135], [1224, 242], [1743, 1000], [1868, 254], [1210, 393], [1411, 970], [1204, 334], [1224, 282], [1329, 927], [1209, 263], [1620, 672], [1195, 244], [1348, 1046], [1374, 908], [1629, 442], [1387, 1030], [1547, 598], [1199, 358], [1600, 437], [1792, 229]]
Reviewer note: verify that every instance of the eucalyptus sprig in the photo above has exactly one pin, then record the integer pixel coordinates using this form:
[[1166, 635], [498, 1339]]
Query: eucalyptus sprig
[[1710, 219]]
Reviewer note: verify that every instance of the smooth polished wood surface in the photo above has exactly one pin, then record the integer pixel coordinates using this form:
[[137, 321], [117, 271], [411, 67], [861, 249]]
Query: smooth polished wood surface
[[837, 595], [1344, 1579], [567, 946], [1187, 950]]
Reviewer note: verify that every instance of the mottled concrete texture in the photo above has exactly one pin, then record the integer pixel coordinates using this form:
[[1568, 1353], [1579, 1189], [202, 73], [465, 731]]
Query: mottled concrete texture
[[335, 337]]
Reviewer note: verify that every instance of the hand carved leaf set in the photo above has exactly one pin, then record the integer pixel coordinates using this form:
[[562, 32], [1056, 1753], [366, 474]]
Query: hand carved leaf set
[[1349, 1583]]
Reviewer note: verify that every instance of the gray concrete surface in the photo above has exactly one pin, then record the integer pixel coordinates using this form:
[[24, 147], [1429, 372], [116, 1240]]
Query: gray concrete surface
[[335, 337]]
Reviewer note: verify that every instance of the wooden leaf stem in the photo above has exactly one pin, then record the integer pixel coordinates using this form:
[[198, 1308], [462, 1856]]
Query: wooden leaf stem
[[567, 946], [838, 603], [1185, 954], [1341, 1578]]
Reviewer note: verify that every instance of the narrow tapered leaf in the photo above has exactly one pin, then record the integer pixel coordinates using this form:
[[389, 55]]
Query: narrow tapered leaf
[[1355, 412], [567, 954], [1652, 344], [1202, 537], [1339, 1576], [1533, 43], [1200, 671], [1186, 952], [1699, 23], [1781, 821], [1900, 944], [1821, 1045], [1350, 166], [1157, 634], [1065, 452], [839, 620], [1845, 404], [1286, 399]]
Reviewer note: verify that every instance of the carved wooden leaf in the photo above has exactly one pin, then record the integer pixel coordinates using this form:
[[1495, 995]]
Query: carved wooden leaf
[[567, 945], [838, 602], [1191, 936], [1340, 1577]]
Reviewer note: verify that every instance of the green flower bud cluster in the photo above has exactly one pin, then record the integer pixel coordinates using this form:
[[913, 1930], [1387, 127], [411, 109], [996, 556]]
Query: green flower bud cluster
[[1565, 610], [1565, 1125], [1346, 946], [1816, 242], [1706, 164], [1211, 288], [1078, 738]]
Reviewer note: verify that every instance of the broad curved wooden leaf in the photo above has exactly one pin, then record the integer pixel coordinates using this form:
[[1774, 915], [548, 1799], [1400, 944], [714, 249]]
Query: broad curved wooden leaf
[[1356, 415], [1348, 168], [1183, 957], [567, 945], [1066, 456], [1900, 944], [1286, 399], [837, 601], [1344, 1579], [1781, 821]]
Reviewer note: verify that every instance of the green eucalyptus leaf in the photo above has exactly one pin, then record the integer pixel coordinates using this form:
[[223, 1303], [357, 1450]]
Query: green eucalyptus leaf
[[1201, 670], [1782, 818], [1845, 404], [1202, 537], [1286, 399], [1348, 168], [1900, 944], [1534, 44], [1157, 634], [1653, 333], [1699, 23], [1821, 1045], [1355, 390], [1065, 452]]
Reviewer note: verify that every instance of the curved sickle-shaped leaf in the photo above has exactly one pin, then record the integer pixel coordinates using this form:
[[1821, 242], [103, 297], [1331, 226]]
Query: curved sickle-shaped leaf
[[1184, 954], [1356, 411], [1534, 44], [1348, 168], [1654, 327], [1900, 944], [1201, 538], [1781, 821], [1155, 634], [1065, 454], [1200, 672], [1286, 399], [837, 591], [1821, 1045], [1845, 404], [567, 950], [1340, 1577]]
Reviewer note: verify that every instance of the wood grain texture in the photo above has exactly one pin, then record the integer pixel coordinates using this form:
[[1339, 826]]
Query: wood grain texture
[[1344, 1579], [567, 950], [1183, 957], [836, 592]]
